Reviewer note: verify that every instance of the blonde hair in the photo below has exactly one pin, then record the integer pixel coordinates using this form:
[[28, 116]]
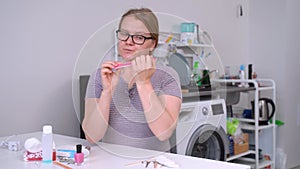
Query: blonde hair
[[148, 18]]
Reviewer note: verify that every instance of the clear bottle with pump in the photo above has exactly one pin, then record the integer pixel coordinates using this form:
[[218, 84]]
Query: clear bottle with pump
[[47, 144]]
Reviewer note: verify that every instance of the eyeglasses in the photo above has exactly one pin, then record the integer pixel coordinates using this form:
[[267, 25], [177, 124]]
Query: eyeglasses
[[155, 163], [146, 163], [136, 39]]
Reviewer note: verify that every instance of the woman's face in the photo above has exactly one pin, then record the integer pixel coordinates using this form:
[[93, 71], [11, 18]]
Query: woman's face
[[128, 49]]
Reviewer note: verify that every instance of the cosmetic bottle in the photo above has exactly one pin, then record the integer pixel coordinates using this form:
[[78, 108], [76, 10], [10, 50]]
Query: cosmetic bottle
[[196, 75], [242, 77], [47, 144], [205, 78], [54, 152], [79, 156], [250, 72]]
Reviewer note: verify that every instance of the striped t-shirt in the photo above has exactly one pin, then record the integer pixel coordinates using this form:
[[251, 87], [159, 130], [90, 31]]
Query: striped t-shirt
[[127, 122]]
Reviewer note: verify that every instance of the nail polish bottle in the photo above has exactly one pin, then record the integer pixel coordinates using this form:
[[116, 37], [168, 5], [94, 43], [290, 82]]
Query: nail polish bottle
[[79, 156]]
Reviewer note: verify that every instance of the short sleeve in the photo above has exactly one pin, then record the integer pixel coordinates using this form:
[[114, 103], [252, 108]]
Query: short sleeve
[[169, 82], [94, 87]]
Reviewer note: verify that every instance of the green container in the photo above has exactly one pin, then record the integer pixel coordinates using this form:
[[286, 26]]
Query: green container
[[187, 27]]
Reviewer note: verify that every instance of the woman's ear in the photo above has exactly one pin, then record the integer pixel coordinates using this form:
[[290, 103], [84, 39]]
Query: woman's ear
[[152, 47]]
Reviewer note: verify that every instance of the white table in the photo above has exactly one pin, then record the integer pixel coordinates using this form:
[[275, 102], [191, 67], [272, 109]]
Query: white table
[[106, 156]]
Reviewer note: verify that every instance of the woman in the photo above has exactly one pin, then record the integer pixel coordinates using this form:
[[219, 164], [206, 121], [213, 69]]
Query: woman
[[137, 105]]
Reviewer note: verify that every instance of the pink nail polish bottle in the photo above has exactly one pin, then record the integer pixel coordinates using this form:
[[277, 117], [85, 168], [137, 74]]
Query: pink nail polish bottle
[[79, 156]]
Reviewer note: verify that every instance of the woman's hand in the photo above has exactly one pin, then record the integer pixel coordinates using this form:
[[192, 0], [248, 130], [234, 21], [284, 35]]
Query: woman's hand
[[143, 68], [108, 76]]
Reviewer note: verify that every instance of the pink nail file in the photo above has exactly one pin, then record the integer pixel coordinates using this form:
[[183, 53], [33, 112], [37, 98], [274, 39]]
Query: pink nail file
[[121, 65]]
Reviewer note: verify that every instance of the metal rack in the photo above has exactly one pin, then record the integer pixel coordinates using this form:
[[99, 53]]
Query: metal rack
[[260, 85]]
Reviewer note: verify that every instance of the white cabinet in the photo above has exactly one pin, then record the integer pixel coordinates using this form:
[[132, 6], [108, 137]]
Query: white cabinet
[[261, 88]]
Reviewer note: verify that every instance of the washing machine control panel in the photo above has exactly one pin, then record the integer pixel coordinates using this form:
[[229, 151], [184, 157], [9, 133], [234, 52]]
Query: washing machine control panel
[[193, 111], [218, 108], [212, 107]]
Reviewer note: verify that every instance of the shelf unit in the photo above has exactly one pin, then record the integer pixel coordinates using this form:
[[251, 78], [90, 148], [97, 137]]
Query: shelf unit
[[173, 39], [195, 45], [260, 85], [181, 56]]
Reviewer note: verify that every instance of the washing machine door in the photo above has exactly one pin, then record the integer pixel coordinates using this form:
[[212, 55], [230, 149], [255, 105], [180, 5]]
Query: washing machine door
[[208, 142]]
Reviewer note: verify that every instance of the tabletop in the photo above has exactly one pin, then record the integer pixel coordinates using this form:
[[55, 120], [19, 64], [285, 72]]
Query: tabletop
[[108, 156]]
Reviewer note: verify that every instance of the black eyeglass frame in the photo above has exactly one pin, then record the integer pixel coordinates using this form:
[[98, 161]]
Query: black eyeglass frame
[[155, 163], [128, 35]]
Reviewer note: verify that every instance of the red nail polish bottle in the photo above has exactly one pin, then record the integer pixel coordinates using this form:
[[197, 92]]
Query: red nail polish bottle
[[79, 156]]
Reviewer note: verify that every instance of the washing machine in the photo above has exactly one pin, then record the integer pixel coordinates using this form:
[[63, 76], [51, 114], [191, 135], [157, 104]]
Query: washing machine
[[201, 130]]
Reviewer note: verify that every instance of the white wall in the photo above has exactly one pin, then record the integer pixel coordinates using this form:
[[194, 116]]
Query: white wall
[[41, 40], [274, 50]]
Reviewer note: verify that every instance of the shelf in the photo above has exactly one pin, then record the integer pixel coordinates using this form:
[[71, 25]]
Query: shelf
[[265, 88], [179, 44], [252, 126], [194, 45], [259, 86], [266, 84], [251, 162], [239, 155], [194, 91]]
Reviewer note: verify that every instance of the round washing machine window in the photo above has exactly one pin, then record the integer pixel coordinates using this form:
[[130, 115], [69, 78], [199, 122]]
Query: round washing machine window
[[208, 142]]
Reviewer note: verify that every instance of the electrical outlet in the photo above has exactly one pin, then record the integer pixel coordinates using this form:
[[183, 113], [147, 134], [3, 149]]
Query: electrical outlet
[[14, 145]]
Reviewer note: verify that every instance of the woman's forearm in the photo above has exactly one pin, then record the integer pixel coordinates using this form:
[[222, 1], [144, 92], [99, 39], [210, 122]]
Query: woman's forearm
[[161, 112], [95, 121]]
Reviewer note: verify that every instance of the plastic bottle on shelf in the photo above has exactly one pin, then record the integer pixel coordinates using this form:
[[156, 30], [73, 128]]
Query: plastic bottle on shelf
[[205, 78], [47, 144], [250, 73], [231, 145], [187, 33], [242, 77], [196, 75]]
